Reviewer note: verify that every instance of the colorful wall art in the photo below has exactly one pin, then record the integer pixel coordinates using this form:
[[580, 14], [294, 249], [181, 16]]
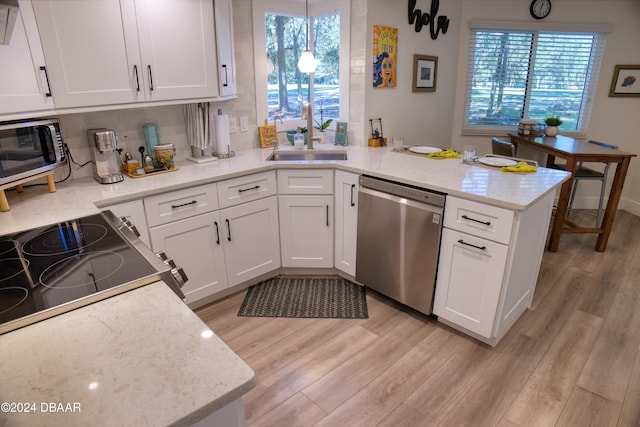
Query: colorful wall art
[[385, 54]]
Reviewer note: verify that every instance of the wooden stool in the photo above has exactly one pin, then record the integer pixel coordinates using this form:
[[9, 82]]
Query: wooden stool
[[4, 203]]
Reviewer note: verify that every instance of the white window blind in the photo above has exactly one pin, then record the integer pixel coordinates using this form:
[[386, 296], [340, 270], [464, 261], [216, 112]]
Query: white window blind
[[515, 74]]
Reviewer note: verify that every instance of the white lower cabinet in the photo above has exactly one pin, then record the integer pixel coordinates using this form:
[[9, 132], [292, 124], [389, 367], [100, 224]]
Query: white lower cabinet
[[488, 265], [251, 239], [306, 231], [346, 221], [224, 248], [471, 270], [218, 248], [195, 244]]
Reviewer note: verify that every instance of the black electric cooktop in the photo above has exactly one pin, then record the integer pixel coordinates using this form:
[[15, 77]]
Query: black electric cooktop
[[55, 265]]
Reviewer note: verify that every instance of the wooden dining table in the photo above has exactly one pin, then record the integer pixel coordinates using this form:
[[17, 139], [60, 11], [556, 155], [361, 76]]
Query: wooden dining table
[[574, 151]]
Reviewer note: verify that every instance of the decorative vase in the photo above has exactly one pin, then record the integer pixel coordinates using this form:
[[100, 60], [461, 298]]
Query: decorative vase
[[323, 136], [551, 130]]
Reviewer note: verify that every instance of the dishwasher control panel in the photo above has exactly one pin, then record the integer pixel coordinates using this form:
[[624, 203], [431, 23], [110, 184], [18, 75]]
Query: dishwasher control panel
[[403, 190]]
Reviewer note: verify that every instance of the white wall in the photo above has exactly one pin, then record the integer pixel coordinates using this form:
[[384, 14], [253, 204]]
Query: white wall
[[422, 118]]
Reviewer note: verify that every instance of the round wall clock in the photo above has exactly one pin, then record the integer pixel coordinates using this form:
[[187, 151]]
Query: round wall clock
[[540, 9]]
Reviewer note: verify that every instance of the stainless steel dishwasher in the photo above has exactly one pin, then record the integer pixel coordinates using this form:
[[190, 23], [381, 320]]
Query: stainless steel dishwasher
[[398, 241]]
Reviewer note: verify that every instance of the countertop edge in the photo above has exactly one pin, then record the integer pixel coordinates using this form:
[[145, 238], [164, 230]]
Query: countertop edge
[[84, 196]]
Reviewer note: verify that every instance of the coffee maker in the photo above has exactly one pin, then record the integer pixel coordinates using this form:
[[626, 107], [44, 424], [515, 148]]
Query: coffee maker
[[105, 156]]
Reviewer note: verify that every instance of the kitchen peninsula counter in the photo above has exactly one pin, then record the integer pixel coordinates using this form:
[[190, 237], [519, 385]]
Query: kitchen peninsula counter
[[36, 206], [142, 358]]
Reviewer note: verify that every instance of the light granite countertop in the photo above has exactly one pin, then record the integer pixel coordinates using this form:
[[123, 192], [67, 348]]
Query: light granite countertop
[[111, 363], [80, 197]]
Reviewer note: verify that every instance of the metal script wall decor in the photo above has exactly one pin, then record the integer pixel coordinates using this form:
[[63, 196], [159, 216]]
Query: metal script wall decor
[[435, 23]]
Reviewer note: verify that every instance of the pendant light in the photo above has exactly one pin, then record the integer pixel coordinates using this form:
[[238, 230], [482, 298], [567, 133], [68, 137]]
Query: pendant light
[[307, 63]]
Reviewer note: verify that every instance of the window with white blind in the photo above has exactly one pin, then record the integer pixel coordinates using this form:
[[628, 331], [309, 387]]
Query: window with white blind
[[516, 74]]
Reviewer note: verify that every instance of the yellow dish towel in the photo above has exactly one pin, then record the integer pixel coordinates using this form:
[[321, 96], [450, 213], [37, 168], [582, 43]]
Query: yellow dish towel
[[446, 154], [522, 167]]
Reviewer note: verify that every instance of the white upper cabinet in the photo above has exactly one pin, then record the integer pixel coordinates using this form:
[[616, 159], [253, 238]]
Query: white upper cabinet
[[177, 49], [91, 49], [226, 48], [102, 52], [23, 83]]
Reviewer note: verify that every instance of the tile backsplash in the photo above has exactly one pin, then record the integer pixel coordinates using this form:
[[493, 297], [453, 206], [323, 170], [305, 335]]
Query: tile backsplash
[[128, 126]]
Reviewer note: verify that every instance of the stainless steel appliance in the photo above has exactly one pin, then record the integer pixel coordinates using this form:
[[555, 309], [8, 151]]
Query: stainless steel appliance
[[104, 153], [398, 241], [29, 148], [60, 267]]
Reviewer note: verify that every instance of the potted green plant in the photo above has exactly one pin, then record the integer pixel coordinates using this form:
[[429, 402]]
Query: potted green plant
[[552, 123], [322, 126]]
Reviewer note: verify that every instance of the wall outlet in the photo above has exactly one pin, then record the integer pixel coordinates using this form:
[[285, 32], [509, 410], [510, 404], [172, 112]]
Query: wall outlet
[[233, 124], [244, 124]]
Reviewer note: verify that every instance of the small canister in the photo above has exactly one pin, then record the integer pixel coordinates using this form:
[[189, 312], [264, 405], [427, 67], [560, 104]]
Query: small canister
[[164, 155]]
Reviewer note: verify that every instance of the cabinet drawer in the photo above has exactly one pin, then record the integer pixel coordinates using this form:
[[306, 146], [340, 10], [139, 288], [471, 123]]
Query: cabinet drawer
[[180, 204], [297, 181], [246, 188], [479, 219]]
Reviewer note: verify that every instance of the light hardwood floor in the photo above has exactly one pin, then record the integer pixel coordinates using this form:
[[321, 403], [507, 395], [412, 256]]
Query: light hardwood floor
[[573, 360]]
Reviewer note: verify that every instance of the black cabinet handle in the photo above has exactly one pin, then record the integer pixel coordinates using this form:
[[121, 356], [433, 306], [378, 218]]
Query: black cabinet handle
[[353, 187], [193, 202], [150, 77], [242, 190], [217, 232], [327, 215], [46, 76], [228, 229], [483, 248], [476, 220], [135, 70], [226, 78]]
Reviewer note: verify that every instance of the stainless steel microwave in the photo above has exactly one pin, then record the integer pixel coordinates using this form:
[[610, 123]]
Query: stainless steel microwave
[[28, 148]]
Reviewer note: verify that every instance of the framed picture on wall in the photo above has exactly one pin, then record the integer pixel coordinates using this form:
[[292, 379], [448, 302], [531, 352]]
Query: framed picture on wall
[[425, 70], [626, 81]]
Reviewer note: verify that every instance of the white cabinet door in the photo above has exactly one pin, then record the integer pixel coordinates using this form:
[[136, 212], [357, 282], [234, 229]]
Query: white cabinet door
[[306, 224], [23, 84], [226, 49], [251, 239], [196, 245], [102, 52], [91, 49], [134, 212], [470, 277], [346, 221], [177, 49]]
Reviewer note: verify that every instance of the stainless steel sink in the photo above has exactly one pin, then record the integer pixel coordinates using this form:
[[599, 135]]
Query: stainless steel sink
[[307, 155]]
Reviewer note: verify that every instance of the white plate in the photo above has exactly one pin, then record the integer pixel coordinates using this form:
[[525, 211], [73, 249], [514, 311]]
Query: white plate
[[423, 149], [496, 161]]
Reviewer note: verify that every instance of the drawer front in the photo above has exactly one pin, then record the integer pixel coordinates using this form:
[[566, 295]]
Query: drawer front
[[180, 204], [478, 219], [246, 189], [296, 181]]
